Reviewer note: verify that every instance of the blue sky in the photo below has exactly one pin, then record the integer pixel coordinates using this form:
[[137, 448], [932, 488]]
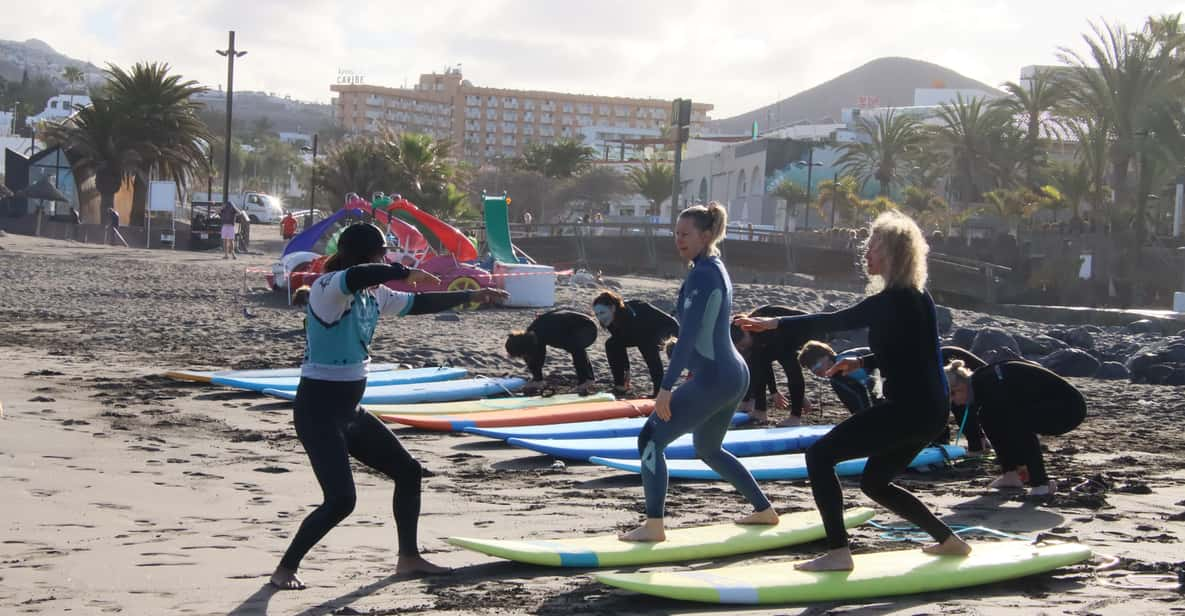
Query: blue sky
[[736, 55]]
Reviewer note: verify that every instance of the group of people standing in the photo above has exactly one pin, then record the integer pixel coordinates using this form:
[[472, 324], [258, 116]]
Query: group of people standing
[[1013, 401]]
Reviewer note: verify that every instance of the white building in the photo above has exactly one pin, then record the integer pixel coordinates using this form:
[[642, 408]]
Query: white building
[[60, 107]]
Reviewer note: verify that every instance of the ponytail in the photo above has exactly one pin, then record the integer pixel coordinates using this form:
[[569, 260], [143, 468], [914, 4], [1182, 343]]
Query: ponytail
[[712, 219], [957, 372]]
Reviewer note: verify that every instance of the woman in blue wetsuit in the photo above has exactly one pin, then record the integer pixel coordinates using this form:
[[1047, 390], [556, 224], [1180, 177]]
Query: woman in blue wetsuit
[[704, 404], [343, 310], [903, 338]]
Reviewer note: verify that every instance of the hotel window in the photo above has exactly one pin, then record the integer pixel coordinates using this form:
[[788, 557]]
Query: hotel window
[[528, 104], [491, 114], [492, 101], [509, 127], [604, 109], [567, 107], [510, 116]]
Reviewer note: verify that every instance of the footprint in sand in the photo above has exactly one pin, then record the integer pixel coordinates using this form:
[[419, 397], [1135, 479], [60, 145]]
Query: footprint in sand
[[112, 506], [201, 475]]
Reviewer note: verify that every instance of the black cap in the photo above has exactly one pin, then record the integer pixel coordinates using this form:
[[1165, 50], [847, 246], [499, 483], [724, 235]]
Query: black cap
[[361, 240]]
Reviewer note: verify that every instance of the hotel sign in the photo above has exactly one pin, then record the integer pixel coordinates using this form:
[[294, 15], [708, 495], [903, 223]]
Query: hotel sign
[[348, 77]]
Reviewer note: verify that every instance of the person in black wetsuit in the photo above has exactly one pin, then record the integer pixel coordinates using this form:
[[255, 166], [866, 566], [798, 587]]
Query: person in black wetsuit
[[903, 337], [343, 310], [1017, 400], [761, 350], [856, 389], [633, 323], [966, 415], [561, 328]]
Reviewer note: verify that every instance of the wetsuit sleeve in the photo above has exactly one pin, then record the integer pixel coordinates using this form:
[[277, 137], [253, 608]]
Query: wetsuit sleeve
[[360, 277], [430, 303], [702, 302], [859, 316]]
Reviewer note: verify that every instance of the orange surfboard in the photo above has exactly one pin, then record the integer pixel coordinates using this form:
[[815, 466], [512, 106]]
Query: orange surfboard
[[536, 416]]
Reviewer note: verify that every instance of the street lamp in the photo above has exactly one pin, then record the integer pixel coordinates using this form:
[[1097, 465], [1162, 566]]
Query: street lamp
[[308, 217], [810, 165], [230, 53]]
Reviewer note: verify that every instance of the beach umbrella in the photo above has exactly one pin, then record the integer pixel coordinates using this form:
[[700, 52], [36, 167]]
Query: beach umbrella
[[43, 190]]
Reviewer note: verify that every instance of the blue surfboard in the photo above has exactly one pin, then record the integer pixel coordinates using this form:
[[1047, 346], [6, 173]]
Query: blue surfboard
[[784, 466], [738, 442], [441, 391], [630, 426], [388, 377]]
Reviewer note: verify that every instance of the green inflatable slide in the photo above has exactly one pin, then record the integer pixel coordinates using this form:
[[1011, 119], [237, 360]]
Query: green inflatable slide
[[497, 216]]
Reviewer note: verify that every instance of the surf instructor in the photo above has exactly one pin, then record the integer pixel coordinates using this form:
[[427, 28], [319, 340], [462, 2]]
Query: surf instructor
[[903, 337], [344, 306], [704, 404]]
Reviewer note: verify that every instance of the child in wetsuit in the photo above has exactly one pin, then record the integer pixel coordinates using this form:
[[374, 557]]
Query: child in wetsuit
[[561, 328], [856, 389]]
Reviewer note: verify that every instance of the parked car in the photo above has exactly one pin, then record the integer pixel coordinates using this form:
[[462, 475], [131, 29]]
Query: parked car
[[259, 207]]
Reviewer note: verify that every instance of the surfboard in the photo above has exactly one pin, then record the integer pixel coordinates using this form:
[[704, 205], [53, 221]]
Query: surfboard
[[386, 377], [698, 542], [442, 391], [205, 376], [782, 466], [486, 404], [564, 413], [757, 442], [883, 574], [604, 428]]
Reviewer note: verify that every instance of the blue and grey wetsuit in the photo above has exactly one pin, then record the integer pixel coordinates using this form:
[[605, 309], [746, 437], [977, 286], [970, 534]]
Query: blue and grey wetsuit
[[705, 403]]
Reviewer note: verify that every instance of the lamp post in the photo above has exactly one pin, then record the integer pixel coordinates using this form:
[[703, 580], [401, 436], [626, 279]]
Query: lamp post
[[834, 192], [308, 217], [810, 165], [230, 53]]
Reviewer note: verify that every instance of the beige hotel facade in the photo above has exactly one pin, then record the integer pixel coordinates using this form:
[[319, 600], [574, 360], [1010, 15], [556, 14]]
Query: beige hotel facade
[[487, 124]]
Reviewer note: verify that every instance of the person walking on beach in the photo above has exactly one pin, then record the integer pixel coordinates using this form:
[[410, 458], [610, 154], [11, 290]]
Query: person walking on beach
[[229, 214], [903, 337], [705, 403], [116, 236], [633, 323], [561, 328], [1016, 401], [343, 309]]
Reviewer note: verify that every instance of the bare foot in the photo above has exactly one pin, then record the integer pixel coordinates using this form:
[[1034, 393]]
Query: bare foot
[[1007, 481], [953, 546], [835, 560], [651, 531], [766, 516], [285, 579], [417, 565]]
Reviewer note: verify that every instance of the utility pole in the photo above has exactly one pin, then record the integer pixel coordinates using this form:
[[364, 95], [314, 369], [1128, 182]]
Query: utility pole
[[834, 192], [308, 217], [230, 53], [681, 123]]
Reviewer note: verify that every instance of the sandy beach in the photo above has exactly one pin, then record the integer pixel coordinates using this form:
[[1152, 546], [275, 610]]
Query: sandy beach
[[126, 492]]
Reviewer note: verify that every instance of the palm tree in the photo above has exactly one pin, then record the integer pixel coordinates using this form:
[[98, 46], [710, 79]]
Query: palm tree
[[1093, 142], [793, 193], [356, 165], [73, 76], [1033, 105], [563, 159], [842, 195], [420, 164], [162, 121], [884, 146], [1073, 184], [871, 208], [100, 143], [1013, 206], [653, 181], [1122, 79], [972, 132]]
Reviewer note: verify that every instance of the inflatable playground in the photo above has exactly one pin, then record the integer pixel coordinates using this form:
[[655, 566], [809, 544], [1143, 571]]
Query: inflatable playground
[[421, 240]]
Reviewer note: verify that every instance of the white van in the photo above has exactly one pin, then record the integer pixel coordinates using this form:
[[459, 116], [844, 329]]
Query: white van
[[259, 207]]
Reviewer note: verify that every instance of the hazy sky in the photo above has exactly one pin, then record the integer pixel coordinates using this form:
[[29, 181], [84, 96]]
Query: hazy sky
[[735, 54]]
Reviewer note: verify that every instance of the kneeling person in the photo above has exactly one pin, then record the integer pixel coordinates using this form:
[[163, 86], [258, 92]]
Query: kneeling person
[[564, 329], [854, 389]]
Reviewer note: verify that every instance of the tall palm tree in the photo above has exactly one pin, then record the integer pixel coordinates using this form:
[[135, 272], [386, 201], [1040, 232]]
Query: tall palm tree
[[884, 146], [355, 165], [1093, 142], [972, 131], [1073, 183], [1033, 105], [842, 195], [164, 123], [1122, 79], [101, 144], [563, 159], [653, 181], [420, 164]]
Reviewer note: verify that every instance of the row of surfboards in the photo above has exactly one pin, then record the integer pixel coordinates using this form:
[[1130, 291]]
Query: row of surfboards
[[604, 431]]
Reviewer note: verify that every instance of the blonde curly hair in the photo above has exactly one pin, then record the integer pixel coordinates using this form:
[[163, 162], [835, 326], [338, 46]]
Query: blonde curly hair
[[904, 249]]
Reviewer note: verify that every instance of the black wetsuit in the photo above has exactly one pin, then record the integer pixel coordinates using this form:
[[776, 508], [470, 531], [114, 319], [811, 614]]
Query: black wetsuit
[[563, 329], [966, 415], [328, 420], [903, 337], [640, 325], [779, 346], [1017, 400]]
